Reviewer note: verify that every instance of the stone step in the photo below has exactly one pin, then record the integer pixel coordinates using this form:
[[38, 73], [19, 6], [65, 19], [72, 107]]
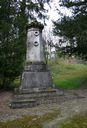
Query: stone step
[[36, 97], [27, 103], [28, 96], [51, 100], [34, 90], [23, 103]]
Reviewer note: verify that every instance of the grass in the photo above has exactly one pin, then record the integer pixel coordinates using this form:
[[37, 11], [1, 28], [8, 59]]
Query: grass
[[65, 76], [68, 76], [77, 121], [30, 121]]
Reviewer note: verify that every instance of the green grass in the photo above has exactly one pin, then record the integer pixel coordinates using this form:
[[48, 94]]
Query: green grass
[[65, 76], [77, 121], [30, 121], [68, 76]]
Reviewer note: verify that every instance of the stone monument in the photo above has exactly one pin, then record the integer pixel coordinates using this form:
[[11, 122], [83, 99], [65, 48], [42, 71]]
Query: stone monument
[[36, 83], [36, 74]]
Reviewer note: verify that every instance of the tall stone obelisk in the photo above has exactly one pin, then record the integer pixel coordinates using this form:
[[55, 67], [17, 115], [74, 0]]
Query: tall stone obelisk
[[36, 83], [36, 74]]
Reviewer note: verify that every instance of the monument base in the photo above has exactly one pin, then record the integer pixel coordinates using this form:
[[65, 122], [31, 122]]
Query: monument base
[[30, 98], [36, 88]]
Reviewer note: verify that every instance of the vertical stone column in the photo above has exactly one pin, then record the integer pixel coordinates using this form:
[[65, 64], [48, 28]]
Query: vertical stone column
[[35, 74], [35, 45]]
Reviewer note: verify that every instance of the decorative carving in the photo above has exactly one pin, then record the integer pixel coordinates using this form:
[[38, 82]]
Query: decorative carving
[[36, 43], [36, 33]]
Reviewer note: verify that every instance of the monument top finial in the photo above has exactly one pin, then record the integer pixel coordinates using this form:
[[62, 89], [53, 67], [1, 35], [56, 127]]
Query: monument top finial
[[35, 24]]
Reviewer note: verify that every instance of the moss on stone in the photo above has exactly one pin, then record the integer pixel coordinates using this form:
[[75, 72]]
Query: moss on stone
[[35, 24]]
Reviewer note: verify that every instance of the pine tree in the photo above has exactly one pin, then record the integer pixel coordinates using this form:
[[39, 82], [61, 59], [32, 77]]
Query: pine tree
[[14, 15], [74, 28]]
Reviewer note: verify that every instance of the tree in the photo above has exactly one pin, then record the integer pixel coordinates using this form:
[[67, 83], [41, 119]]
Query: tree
[[74, 28], [14, 15]]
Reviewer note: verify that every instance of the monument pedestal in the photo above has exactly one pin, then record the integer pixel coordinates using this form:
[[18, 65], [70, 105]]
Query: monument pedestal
[[36, 75]]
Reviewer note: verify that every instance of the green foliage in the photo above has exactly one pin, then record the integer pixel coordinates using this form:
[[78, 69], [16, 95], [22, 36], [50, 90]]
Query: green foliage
[[73, 83], [74, 28], [11, 44], [14, 15], [77, 121], [68, 76]]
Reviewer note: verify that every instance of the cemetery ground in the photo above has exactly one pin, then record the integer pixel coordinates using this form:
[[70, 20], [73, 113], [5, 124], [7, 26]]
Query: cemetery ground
[[68, 113]]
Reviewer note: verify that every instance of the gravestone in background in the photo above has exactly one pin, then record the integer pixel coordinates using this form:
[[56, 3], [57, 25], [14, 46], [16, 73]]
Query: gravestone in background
[[36, 83]]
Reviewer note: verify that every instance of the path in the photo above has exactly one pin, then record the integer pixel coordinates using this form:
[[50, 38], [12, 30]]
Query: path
[[75, 103], [68, 109]]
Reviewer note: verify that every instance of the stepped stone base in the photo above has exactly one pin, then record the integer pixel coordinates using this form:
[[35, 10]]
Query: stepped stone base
[[36, 87], [30, 98]]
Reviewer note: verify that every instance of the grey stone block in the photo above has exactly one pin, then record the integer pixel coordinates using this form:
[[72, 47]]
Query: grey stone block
[[36, 80]]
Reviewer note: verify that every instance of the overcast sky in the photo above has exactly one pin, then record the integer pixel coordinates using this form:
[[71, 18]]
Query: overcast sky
[[53, 14]]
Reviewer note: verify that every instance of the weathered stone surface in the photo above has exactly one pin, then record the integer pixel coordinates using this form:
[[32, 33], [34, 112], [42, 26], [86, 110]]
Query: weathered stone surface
[[35, 46], [36, 67], [23, 103], [35, 74], [36, 80], [31, 98]]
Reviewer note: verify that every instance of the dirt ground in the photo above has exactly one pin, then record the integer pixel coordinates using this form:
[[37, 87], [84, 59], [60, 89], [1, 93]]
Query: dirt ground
[[75, 102]]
